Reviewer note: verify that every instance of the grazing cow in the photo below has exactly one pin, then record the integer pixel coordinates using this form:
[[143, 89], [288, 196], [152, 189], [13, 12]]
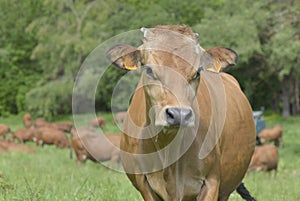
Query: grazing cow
[[63, 126], [4, 129], [189, 133], [7, 145], [27, 121], [271, 134], [78, 131], [119, 118], [24, 135], [40, 122], [88, 144], [45, 135], [98, 122], [265, 158]]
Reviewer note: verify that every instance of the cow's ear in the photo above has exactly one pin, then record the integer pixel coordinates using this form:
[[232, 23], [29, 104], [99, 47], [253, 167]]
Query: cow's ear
[[125, 57], [224, 58]]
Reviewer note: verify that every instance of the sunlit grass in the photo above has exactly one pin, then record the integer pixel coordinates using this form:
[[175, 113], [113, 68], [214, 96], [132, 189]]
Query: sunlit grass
[[50, 174]]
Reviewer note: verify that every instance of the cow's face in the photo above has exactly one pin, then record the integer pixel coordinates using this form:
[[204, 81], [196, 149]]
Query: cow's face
[[169, 84], [172, 62]]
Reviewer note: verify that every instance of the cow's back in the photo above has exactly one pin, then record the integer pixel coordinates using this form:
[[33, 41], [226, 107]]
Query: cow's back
[[52, 136], [24, 134], [269, 134]]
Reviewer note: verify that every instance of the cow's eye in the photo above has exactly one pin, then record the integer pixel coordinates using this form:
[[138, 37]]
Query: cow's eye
[[150, 72], [197, 74]]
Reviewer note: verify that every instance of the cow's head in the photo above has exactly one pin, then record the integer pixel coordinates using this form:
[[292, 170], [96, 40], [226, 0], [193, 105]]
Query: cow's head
[[172, 61]]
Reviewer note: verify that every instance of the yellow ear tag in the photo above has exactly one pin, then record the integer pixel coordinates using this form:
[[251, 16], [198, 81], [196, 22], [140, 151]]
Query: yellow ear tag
[[128, 67], [212, 69], [216, 68]]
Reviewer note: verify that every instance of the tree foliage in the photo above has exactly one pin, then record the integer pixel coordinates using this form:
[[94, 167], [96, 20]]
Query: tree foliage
[[18, 73], [66, 35], [44, 43]]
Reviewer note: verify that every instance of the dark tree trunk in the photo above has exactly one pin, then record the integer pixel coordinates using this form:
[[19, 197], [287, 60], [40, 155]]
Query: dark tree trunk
[[276, 101], [285, 97], [297, 95]]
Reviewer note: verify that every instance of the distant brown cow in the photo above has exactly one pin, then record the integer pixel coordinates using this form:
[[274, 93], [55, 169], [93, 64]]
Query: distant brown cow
[[98, 122], [24, 135], [63, 126], [265, 158], [80, 131], [119, 118], [7, 145], [40, 122], [46, 135], [27, 121], [96, 147], [4, 129], [271, 134]]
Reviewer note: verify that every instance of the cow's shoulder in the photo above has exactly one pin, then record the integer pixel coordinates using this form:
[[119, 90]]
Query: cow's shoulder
[[229, 79]]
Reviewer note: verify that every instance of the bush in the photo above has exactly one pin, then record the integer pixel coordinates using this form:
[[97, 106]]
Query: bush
[[52, 99]]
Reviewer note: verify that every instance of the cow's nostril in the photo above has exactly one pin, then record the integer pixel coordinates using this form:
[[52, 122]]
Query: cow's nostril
[[188, 115], [169, 113], [179, 116], [172, 116]]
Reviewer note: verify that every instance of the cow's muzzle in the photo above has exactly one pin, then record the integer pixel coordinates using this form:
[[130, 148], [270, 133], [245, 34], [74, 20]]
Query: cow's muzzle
[[179, 116]]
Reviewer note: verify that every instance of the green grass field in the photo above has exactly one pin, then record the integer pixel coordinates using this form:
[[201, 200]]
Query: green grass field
[[49, 174]]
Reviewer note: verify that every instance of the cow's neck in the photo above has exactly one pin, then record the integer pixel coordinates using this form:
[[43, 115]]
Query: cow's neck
[[169, 145], [175, 179]]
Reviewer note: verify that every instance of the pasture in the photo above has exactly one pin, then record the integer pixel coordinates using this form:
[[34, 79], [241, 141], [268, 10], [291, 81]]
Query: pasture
[[49, 174]]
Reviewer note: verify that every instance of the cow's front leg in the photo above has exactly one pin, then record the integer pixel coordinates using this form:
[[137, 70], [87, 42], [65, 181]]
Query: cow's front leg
[[210, 189], [146, 191]]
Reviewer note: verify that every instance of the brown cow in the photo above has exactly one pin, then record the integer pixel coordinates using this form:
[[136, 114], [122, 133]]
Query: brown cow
[[27, 121], [63, 126], [95, 146], [271, 134], [189, 133], [4, 129], [45, 135], [265, 158], [24, 135], [119, 118], [7, 145], [98, 122], [78, 131], [40, 122]]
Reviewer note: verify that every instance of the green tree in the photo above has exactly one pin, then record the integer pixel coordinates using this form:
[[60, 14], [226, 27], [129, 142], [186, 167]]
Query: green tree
[[67, 33], [44, 43], [266, 37], [18, 74], [282, 49]]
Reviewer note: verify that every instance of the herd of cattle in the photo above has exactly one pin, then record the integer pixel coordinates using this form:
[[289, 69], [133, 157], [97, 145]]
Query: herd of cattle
[[87, 143]]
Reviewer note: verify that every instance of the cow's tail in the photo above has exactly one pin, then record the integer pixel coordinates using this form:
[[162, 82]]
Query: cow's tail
[[244, 193]]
